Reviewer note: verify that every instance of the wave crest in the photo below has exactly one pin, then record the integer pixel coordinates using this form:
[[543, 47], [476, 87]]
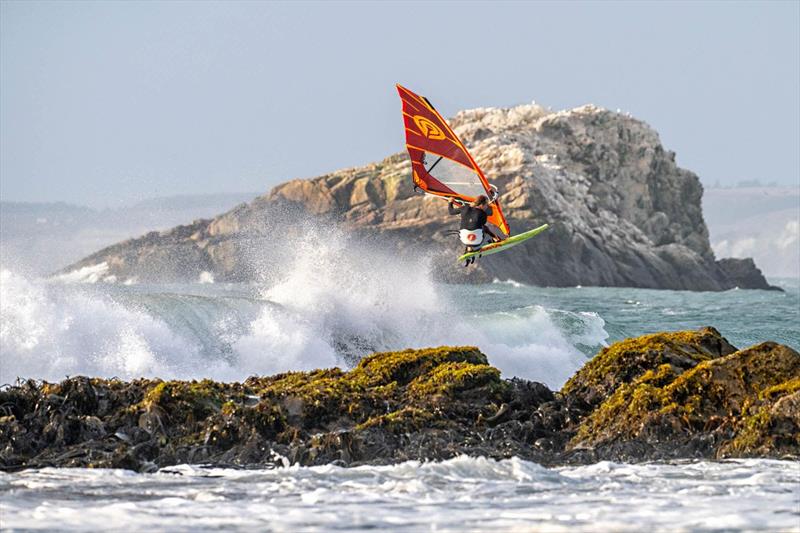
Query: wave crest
[[329, 304]]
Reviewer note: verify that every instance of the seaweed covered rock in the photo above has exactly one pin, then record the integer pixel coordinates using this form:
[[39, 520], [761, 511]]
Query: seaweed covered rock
[[425, 404], [666, 395], [625, 361], [742, 404], [770, 424]]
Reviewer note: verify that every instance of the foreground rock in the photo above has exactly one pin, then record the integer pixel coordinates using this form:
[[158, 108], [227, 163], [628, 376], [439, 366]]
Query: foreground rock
[[685, 395], [669, 395], [622, 213]]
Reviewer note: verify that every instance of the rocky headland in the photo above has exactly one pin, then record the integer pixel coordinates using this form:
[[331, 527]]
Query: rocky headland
[[687, 394], [621, 211]]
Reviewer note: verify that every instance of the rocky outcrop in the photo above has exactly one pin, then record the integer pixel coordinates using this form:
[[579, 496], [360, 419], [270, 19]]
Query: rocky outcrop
[[669, 395], [744, 273], [622, 213], [432, 403], [696, 396], [627, 360]]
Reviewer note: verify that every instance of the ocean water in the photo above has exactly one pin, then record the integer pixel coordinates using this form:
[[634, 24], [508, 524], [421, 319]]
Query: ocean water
[[328, 308], [50, 329], [461, 494]]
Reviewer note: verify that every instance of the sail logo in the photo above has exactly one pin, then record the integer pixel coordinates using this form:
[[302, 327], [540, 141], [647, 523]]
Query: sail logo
[[428, 128]]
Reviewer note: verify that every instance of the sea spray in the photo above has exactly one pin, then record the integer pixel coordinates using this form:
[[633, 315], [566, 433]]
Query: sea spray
[[330, 301], [49, 330], [355, 298], [360, 300]]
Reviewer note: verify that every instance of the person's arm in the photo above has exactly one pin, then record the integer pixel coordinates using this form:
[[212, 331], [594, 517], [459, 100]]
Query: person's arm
[[452, 209]]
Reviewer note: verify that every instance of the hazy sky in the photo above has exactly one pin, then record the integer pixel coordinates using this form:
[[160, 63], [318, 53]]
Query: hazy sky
[[103, 103]]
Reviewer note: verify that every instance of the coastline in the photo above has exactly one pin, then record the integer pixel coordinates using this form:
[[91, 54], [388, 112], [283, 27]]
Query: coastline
[[687, 394]]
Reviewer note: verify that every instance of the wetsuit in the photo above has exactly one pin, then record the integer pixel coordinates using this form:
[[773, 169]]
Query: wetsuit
[[472, 218], [473, 222]]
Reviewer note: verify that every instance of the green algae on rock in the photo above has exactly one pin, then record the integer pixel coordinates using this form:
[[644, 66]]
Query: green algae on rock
[[726, 406], [770, 424], [162, 422], [666, 395], [626, 360]]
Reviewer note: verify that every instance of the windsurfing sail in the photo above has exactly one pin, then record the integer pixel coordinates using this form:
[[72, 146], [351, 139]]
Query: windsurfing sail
[[440, 163]]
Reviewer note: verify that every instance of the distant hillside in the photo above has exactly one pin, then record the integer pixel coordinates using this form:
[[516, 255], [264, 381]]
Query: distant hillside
[[622, 213], [39, 238]]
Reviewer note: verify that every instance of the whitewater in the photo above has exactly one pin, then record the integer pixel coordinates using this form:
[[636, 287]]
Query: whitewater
[[461, 494], [331, 303], [328, 305]]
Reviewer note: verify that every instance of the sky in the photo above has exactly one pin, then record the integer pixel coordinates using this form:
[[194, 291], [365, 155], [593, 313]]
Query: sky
[[108, 103]]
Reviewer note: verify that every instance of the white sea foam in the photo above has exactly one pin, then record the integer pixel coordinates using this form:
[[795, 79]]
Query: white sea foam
[[205, 277], [347, 300], [49, 330], [88, 274], [460, 494], [330, 303], [510, 282]]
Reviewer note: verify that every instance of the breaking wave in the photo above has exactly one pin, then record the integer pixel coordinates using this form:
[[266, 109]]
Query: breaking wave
[[331, 303]]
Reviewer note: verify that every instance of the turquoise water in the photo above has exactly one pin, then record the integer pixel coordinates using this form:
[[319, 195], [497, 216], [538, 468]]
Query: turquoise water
[[308, 320], [744, 317]]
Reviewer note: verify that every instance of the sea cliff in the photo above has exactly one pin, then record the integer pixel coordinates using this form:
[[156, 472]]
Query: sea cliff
[[687, 394], [621, 211]]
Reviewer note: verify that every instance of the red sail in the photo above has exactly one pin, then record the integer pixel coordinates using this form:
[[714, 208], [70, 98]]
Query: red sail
[[440, 162]]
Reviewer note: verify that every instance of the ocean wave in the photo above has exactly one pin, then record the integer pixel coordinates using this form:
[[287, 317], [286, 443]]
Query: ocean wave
[[51, 330], [329, 304], [357, 301]]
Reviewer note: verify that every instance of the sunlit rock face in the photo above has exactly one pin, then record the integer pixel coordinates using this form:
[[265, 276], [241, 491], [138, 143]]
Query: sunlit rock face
[[622, 213]]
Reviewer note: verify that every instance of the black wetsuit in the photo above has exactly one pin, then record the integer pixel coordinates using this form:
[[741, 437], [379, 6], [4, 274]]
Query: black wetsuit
[[472, 218]]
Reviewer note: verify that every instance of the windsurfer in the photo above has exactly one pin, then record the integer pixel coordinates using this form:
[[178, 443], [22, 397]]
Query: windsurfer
[[473, 231]]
